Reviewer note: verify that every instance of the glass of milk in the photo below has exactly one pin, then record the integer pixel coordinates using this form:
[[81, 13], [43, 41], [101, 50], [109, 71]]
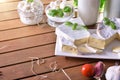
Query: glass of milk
[[30, 12], [88, 11]]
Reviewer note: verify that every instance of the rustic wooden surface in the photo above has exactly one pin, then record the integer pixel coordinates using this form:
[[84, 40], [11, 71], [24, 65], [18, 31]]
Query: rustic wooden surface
[[22, 41]]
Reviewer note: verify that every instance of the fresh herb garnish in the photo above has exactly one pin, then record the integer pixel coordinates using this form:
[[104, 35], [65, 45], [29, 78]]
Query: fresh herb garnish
[[74, 26], [60, 13], [110, 23], [30, 0], [53, 12], [68, 23], [67, 9]]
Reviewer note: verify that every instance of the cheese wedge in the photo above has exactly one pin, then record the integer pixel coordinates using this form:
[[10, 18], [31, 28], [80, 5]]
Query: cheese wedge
[[96, 42], [78, 36], [66, 45], [118, 35], [85, 49], [116, 49]]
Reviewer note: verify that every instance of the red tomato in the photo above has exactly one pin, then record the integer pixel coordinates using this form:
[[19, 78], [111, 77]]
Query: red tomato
[[87, 70]]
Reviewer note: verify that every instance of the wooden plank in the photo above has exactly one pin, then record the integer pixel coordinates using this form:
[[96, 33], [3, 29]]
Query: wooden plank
[[9, 15], [24, 70], [6, 1], [8, 6], [23, 55], [11, 24], [13, 5], [74, 73], [27, 42], [25, 31]]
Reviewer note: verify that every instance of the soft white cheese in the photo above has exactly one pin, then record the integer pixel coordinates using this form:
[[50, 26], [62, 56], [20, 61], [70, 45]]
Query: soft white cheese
[[105, 32], [66, 45], [76, 36], [93, 50], [30, 13]]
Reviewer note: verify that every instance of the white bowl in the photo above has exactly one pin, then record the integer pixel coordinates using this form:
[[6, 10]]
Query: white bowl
[[59, 19]]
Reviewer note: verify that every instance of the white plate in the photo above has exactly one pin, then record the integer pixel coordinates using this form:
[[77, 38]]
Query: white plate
[[107, 53]]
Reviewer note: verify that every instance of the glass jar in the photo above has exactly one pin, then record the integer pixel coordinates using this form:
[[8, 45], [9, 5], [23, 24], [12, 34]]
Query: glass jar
[[30, 12]]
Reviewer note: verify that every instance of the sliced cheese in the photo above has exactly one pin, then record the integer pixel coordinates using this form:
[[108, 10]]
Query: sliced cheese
[[94, 50], [118, 35], [116, 49], [78, 36], [96, 42], [66, 45], [85, 49]]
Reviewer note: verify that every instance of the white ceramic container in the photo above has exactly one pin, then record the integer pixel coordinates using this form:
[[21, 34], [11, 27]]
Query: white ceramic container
[[88, 11]]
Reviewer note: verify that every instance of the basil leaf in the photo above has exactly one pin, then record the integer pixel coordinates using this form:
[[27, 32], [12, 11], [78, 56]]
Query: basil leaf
[[30, 0], [60, 13], [75, 3], [68, 23], [67, 9], [53, 12], [110, 23], [74, 26]]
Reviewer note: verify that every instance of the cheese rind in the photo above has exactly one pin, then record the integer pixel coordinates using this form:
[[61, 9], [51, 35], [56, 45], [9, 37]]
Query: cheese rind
[[116, 49], [85, 49], [78, 36], [66, 45], [96, 42]]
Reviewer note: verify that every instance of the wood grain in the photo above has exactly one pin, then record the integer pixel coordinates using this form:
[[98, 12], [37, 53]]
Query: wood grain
[[25, 31], [8, 15], [23, 55], [74, 73], [24, 69], [27, 42], [8, 6]]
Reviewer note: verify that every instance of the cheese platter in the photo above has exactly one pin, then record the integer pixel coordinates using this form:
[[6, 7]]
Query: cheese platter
[[97, 48]]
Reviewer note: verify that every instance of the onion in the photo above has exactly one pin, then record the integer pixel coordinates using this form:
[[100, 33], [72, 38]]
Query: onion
[[99, 69]]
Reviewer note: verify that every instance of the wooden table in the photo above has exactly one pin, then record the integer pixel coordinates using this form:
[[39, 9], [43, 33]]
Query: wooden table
[[19, 42]]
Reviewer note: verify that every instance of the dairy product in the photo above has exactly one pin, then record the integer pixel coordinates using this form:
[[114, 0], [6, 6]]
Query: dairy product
[[30, 12], [100, 43], [78, 36], [66, 45]]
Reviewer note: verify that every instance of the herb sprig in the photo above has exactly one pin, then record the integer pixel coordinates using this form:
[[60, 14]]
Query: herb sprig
[[59, 12], [74, 25], [30, 1], [110, 23]]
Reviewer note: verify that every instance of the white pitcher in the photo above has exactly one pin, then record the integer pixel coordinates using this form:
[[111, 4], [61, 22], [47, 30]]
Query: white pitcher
[[88, 11]]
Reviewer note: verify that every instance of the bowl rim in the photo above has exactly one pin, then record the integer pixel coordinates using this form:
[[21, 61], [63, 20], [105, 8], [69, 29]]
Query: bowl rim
[[59, 19]]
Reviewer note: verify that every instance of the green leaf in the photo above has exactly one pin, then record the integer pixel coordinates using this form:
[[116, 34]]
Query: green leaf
[[75, 3], [85, 27], [30, 0], [110, 23], [53, 12], [74, 26], [60, 13], [67, 9], [68, 23]]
